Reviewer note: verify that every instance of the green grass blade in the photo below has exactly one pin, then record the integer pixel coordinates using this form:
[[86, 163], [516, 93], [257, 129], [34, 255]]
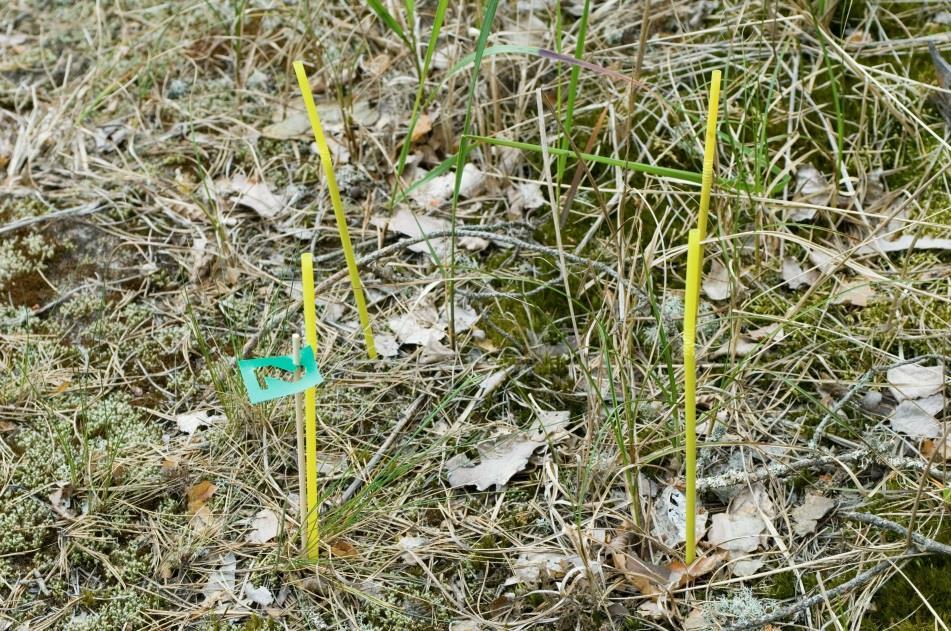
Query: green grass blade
[[572, 92], [418, 103], [377, 7], [440, 169]]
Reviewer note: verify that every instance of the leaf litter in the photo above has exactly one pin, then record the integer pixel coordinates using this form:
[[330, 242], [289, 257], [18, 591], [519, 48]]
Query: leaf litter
[[500, 458]]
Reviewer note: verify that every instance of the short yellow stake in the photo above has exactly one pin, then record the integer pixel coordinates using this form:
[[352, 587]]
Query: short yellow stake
[[310, 410], [327, 164], [690, 384], [709, 152]]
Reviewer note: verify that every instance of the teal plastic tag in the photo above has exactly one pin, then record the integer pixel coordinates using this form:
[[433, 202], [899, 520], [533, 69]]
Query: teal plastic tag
[[277, 388]]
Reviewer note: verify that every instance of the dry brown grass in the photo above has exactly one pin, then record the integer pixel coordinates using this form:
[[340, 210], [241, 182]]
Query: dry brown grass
[[131, 284]]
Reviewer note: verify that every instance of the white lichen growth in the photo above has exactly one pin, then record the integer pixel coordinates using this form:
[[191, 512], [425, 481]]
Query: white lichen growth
[[739, 607]]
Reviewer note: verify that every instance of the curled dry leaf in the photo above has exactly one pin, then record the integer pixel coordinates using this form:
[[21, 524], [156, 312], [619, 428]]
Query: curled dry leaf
[[813, 189], [221, 582], [649, 579], [795, 277], [744, 346], [190, 422], [258, 595], [916, 418], [524, 196], [424, 125], [258, 197], [682, 574], [856, 293], [264, 527], [343, 548], [670, 518], [438, 191], [913, 381], [807, 515], [942, 444], [532, 568], [503, 457], [409, 546], [824, 262], [416, 226], [716, 284], [741, 529], [884, 245], [61, 499], [386, 345], [296, 124], [736, 533]]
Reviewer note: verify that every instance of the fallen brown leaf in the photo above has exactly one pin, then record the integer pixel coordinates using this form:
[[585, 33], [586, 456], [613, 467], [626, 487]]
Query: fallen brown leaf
[[424, 125], [199, 494], [343, 548]]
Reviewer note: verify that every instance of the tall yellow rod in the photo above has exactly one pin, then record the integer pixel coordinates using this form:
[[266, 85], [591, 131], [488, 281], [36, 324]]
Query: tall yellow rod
[[691, 302], [690, 384], [310, 410], [709, 152], [328, 168]]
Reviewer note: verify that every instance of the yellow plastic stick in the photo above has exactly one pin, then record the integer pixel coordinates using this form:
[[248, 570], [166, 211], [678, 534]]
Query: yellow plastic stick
[[691, 298], [310, 410], [328, 167], [709, 152], [301, 460]]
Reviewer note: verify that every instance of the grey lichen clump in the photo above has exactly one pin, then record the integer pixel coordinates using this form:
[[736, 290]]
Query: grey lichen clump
[[671, 316], [22, 255], [55, 448], [412, 611], [24, 521], [117, 609]]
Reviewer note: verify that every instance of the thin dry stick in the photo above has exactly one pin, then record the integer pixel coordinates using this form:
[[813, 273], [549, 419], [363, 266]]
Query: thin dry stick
[[885, 524], [802, 605], [940, 448], [301, 477], [732, 478], [368, 469]]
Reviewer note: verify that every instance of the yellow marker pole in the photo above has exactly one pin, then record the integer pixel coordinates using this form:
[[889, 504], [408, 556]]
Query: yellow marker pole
[[310, 411], [691, 299], [325, 161], [709, 152]]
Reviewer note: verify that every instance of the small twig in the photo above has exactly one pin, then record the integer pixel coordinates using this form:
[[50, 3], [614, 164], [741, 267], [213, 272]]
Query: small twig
[[802, 605], [880, 522], [75, 211], [732, 478], [368, 469]]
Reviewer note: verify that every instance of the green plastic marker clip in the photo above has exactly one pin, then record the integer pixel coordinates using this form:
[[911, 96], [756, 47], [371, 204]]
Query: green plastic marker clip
[[276, 388]]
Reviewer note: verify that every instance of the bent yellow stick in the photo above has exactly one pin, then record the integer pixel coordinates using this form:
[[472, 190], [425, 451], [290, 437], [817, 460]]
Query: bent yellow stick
[[709, 152], [310, 411], [328, 168], [690, 384]]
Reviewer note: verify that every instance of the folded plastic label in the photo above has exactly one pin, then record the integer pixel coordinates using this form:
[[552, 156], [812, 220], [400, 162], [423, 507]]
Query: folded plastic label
[[277, 388]]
